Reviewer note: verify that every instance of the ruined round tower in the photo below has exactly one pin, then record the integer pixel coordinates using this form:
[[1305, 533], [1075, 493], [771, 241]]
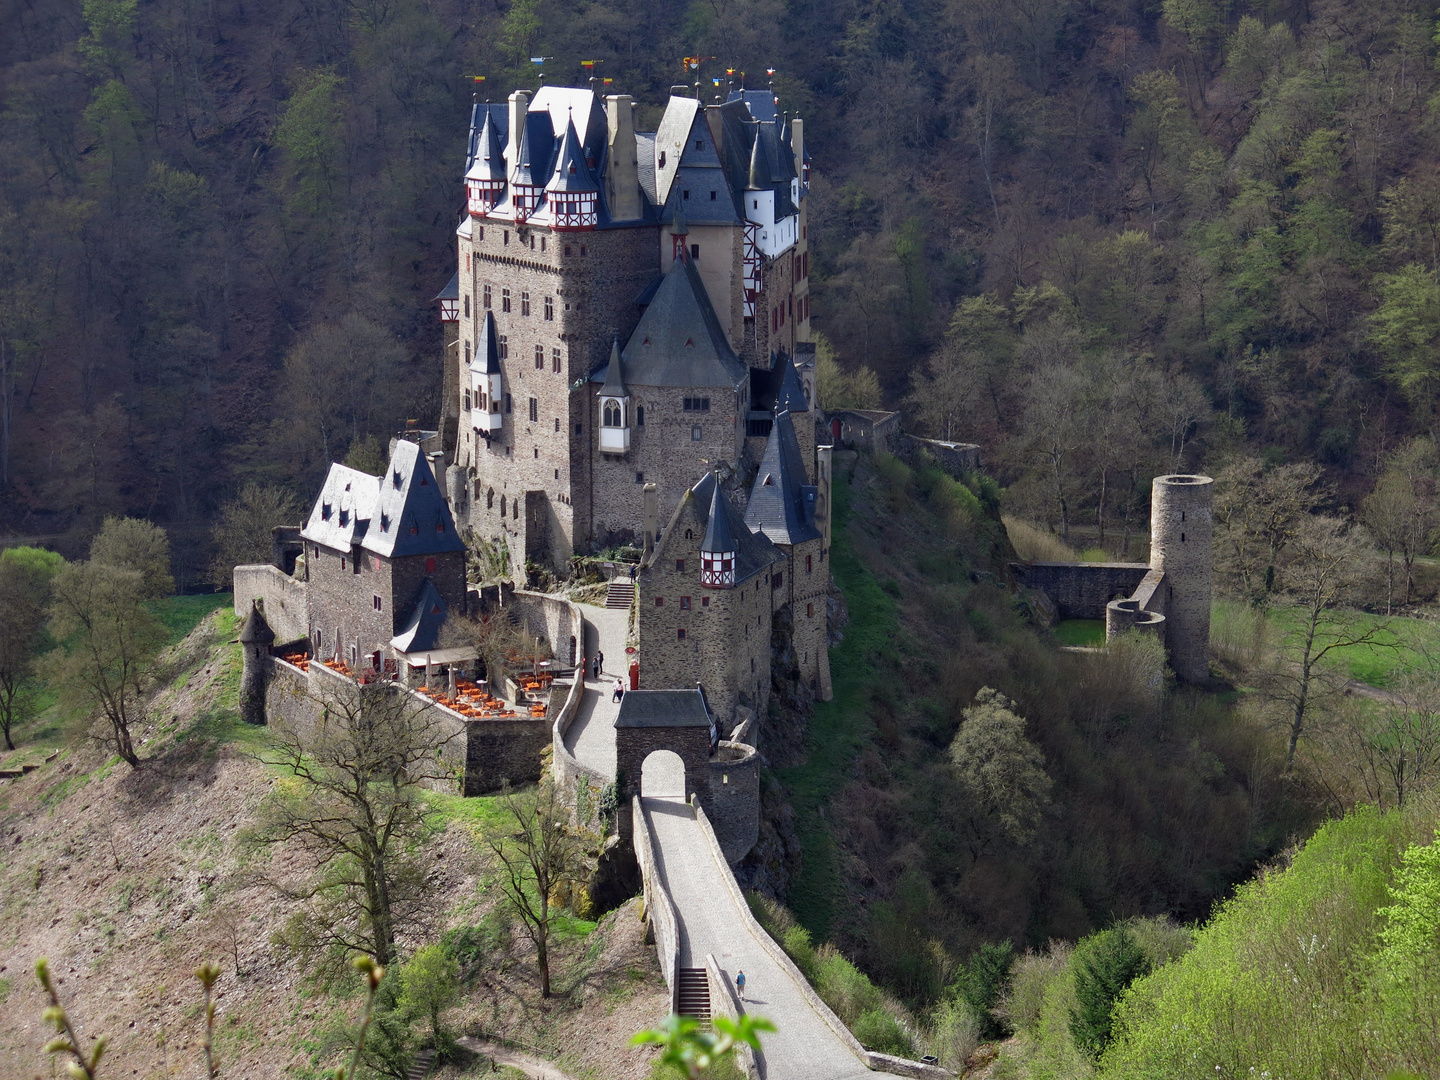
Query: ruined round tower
[[1181, 548], [256, 637]]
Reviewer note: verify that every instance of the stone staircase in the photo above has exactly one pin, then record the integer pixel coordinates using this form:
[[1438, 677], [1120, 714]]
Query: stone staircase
[[421, 1066], [694, 994], [621, 594]]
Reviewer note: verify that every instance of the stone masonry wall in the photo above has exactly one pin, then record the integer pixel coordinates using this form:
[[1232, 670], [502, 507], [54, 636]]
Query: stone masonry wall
[[283, 598], [1081, 590], [592, 298], [554, 619], [498, 751], [734, 803], [634, 745], [726, 646], [663, 452]]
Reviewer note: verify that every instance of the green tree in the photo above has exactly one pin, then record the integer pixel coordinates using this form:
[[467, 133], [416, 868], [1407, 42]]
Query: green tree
[[25, 576], [102, 614], [1105, 965], [1405, 328], [1001, 770], [1403, 511], [108, 41], [242, 534], [309, 131], [982, 980], [136, 544], [429, 985]]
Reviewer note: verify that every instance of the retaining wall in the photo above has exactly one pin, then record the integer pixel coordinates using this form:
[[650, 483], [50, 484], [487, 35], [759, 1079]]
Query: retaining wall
[[955, 458], [723, 1002], [282, 598], [735, 798], [1081, 590], [660, 915], [555, 619]]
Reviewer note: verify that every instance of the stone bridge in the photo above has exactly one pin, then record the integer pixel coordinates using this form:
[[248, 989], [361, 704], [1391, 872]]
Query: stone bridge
[[699, 920]]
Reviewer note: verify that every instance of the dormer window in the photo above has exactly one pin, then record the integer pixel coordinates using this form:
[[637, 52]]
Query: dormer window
[[324, 511], [414, 530], [662, 159], [344, 517], [398, 479], [384, 525], [440, 526]]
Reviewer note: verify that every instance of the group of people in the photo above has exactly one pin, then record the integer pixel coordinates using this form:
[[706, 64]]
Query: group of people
[[597, 663]]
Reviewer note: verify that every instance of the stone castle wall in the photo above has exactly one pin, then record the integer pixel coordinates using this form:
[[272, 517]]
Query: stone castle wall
[[283, 599], [1081, 590], [734, 798], [1181, 547]]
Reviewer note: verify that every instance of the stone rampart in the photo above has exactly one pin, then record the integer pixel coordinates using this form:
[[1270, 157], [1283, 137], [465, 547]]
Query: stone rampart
[[735, 798], [1081, 590], [498, 751], [282, 598], [660, 915], [955, 458], [555, 619]]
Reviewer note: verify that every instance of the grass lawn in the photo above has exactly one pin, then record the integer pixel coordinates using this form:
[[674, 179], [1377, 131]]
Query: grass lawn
[[1405, 644], [840, 728], [181, 614], [1084, 632]]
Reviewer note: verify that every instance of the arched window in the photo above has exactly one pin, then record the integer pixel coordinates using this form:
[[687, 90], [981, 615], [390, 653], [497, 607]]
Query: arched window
[[502, 505], [490, 499], [611, 414]]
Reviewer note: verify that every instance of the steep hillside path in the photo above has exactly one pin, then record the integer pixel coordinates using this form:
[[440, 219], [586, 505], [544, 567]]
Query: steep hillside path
[[805, 1047]]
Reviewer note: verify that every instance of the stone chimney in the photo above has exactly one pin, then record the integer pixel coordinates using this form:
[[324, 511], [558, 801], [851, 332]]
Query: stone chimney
[[622, 175], [797, 143], [519, 110], [652, 518]]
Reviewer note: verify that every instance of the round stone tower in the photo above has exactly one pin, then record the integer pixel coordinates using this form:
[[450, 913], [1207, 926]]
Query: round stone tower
[[1180, 547], [256, 637]]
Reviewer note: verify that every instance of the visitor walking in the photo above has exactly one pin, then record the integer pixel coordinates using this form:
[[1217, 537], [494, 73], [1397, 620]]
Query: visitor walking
[[740, 984], [595, 667], [599, 662], [619, 691]]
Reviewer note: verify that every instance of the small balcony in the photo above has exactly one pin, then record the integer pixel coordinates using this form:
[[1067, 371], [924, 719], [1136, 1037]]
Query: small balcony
[[614, 440]]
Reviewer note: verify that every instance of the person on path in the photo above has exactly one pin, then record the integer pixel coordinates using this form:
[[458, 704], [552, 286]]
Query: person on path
[[599, 662], [595, 667], [740, 984], [619, 691]]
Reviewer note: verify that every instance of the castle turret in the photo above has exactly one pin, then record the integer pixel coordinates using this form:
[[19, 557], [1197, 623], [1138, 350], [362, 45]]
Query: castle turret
[[525, 186], [485, 182], [1180, 547], [256, 637], [572, 194], [486, 381], [717, 550], [614, 407]]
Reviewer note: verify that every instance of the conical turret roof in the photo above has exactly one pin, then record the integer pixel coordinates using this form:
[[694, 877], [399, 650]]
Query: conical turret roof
[[677, 224], [256, 630], [718, 536], [488, 346], [614, 380], [782, 504], [489, 161], [571, 171], [522, 171], [761, 170]]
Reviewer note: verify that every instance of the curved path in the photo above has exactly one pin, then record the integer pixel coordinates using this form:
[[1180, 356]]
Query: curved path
[[591, 737]]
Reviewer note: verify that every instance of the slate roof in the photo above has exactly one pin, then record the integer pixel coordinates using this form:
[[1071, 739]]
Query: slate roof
[[422, 628], [614, 378], [761, 103], [532, 157], [488, 156], [671, 138], [256, 630], [452, 290], [718, 535], [679, 341], [571, 174], [498, 117], [663, 708], [411, 515], [342, 511], [782, 503], [754, 553], [790, 392], [489, 345]]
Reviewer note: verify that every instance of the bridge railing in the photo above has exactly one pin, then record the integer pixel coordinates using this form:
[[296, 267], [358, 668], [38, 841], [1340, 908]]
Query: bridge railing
[[659, 909]]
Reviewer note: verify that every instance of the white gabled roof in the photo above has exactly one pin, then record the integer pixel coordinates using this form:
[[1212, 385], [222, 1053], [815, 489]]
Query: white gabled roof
[[341, 515]]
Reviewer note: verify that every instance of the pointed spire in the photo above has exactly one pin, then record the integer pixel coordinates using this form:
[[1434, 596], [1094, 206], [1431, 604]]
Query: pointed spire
[[489, 161], [522, 171], [489, 345], [677, 224], [718, 537], [256, 630], [572, 173], [614, 381], [760, 168]]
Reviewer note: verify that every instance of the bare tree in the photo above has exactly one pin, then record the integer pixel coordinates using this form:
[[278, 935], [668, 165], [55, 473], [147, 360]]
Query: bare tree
[[1258, 511], [1326, 565], [1054, 429], [1389, 750], [25, 575], [242, 535], [358, 808], [1403, 510], [112, 638], [539, 856]]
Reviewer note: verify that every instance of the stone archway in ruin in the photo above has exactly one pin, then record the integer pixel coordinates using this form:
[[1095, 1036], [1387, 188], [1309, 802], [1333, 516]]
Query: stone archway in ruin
[[662, 776]]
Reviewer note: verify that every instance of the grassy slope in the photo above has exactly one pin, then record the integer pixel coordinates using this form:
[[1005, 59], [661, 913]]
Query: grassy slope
[[127, 880], [839, 728]]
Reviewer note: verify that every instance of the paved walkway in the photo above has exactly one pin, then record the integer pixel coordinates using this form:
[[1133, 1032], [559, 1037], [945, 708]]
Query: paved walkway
[[804, 1047], [591, 737]]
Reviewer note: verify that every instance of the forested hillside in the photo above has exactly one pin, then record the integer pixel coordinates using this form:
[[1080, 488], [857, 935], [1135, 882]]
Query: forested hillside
[[1088, 236]]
